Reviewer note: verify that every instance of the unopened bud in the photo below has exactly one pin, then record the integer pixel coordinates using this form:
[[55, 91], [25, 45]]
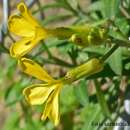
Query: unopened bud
[[91, 67]]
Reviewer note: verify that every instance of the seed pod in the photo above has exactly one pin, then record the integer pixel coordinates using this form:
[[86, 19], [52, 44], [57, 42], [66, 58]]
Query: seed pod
[[91, 67]]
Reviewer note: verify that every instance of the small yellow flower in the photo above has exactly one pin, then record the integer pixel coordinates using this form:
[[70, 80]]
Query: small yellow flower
[[40, 93], [49, 91], [25, 26]]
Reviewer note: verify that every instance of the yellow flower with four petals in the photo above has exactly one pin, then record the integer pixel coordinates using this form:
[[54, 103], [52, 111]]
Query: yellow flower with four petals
[[27, 27]]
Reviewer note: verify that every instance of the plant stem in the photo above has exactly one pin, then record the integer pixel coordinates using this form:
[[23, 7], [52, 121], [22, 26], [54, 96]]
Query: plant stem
[[109, 53], [122, 43], [46, 49], [11, 37], [55, 61], [41, 12], [101, 100]]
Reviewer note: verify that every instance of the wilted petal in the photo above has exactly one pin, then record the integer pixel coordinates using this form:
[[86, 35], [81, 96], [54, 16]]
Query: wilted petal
[[20, 26], [37, 94], [32, 68], [26, 14]]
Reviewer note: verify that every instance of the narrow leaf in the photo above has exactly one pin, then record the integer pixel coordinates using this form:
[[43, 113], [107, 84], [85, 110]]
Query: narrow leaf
[[115, 61]]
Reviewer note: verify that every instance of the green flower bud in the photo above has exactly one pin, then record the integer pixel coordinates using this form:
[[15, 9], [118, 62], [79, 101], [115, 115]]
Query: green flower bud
[[88, 36], [83, 36], [91, 67]]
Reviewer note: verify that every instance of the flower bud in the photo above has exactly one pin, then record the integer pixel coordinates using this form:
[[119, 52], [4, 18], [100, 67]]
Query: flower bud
[[88, 36], [91, 67]]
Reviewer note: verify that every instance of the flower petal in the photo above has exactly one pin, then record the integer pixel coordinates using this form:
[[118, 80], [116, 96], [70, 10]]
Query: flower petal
[[41, 33], [37, 94], [52, 107], [54, 115], [32, 68], [23, 46], [20, 26], [26, 14]]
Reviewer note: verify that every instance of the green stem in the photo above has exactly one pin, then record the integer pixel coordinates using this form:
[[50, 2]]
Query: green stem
[[101, 100], [70, 8], [56, 61], [41, 12], [109, 53], [122, 43], [47, 50], [3, 49], [27, 114]]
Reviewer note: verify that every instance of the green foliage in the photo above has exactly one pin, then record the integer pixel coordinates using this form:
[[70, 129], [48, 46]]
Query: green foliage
[[115, 61], [81, 93], [68, 99], [110, 8], [12, 123], [91, 114]]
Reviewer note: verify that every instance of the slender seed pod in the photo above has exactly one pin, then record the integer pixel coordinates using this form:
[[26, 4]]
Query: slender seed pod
[[91, 67]]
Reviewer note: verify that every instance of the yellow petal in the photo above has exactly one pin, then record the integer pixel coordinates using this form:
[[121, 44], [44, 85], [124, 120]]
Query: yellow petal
[[30, 67], [47, 110], [41, 33], [20, 26], [54, 114], [52, 108], [37, 94], [26, 14], [23, 46], [19, 48]]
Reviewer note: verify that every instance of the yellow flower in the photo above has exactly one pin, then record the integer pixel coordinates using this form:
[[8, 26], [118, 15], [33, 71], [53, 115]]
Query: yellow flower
[[25, 26], [49, 91], [40, 93]]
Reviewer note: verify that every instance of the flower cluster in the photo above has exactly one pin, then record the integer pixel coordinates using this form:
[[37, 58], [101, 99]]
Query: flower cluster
[[31, 32]]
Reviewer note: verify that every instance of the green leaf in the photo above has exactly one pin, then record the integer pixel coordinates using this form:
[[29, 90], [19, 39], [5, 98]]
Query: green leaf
[[91, 114], [115, 61], [110, 8], [117, 35], [12, 122], [67, 99], [95, 6], [64, 49], [81, 93], [13, 93], [123, 25], [96, 49], [73, 4]]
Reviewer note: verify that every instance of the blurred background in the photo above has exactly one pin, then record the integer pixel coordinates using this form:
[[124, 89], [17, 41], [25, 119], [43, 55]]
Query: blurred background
[[84, 103]]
